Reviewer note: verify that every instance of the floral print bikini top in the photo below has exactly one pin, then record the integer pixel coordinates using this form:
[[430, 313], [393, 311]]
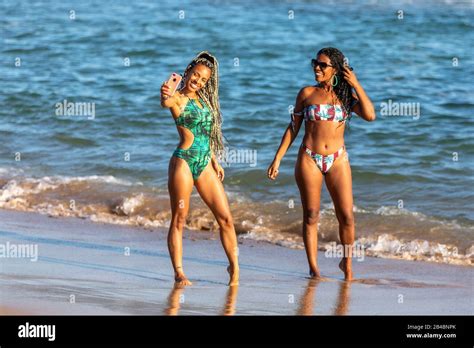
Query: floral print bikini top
[[324, 112]]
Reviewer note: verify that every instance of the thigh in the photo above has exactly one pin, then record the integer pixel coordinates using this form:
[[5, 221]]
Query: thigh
[[309, 180], [339, 184], [180, 185], [212, 192]]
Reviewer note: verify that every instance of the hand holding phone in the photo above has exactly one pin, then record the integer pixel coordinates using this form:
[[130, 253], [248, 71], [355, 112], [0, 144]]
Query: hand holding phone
[[168, 88], [173, 83]]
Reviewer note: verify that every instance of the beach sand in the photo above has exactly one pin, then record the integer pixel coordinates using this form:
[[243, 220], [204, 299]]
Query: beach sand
[[85, 267]]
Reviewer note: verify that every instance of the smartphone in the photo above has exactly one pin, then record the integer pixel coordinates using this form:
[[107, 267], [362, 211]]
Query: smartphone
[[173, 82]]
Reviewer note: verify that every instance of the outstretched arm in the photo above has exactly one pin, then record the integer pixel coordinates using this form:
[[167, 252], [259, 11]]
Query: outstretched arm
[[364, 108], [289, 136]]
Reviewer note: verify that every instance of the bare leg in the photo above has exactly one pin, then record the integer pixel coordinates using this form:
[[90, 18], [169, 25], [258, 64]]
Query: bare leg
[[180, 186], [309, 179], [212, 192], [339, 184]]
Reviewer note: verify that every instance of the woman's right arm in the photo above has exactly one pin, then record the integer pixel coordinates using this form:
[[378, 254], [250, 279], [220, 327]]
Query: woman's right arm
[[289, 136]]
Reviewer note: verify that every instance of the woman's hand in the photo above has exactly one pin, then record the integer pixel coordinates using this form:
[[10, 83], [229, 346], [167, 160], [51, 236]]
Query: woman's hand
[[272, 171], [219, 170], [350, 76], [165, 92]]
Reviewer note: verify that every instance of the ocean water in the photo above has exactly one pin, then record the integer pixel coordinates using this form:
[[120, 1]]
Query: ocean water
[[412, 173]]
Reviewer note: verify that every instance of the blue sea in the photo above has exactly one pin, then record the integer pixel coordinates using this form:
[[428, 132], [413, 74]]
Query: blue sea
[[412, 168]]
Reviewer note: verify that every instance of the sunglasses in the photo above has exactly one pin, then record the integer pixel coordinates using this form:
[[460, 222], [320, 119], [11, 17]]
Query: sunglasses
[[322, 65]]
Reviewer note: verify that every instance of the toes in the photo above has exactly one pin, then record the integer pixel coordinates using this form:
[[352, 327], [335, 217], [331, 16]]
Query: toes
[[182, 281]]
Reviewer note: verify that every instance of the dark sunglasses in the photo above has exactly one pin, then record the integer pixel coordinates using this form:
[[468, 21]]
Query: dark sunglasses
[[322, 65]]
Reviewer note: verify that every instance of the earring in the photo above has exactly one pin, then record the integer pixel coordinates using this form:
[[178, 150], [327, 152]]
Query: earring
[[332, 82]]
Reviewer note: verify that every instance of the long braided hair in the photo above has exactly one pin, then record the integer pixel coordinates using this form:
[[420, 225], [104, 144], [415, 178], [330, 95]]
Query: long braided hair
[[210, 94], [343, 90]]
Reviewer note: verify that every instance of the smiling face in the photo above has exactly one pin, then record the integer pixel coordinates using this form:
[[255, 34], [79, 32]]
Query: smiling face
[[197, 77], [323, 74]]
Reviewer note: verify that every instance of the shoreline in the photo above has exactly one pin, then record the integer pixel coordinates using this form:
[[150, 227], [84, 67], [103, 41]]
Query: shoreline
[[85, 267], [384, 231]]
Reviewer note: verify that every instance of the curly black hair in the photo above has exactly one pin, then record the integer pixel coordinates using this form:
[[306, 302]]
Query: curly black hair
[[343, 90]]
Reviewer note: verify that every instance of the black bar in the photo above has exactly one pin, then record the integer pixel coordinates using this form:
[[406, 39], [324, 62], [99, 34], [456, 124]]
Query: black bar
[[133, 330]]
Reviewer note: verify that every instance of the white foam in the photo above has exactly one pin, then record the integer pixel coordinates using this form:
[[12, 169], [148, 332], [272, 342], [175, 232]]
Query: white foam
[[30, 186], [388, 246], [129, 204], [383, 246], [393, 210], [15, 189], [108, 179]]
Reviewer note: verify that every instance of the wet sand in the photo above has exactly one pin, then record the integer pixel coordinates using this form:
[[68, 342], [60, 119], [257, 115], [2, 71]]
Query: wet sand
[[85, 267]]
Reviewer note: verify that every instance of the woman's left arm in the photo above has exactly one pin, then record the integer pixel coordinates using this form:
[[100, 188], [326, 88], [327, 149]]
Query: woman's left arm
[[364, 108]]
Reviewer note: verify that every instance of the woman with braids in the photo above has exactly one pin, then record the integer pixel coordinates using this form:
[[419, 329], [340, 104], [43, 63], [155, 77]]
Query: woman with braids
[[196, 112], [325, 108]]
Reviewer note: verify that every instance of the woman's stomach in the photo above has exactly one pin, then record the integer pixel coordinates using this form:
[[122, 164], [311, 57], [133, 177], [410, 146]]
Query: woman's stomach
[[324, 137]]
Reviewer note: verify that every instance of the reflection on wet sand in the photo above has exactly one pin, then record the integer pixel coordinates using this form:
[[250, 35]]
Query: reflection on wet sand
[[308, 299], [176, 297], [306, 303], [343, 298], [231, 300]]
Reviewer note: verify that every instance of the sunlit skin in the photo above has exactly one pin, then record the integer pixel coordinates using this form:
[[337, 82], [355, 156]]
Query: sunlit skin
[[324, 138], [209, 183]]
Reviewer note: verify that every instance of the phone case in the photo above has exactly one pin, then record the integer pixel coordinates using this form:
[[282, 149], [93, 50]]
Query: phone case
[[173, 82]]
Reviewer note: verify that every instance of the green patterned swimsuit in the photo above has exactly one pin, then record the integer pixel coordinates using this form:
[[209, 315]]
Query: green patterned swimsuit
[[199, 122]]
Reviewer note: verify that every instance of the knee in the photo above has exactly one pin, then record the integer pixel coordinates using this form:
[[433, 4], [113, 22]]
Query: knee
[[311, 216], [346, 219], [226, 222]]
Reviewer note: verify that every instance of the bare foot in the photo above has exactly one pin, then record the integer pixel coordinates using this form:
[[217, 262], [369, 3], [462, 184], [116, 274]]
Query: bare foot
[[181, 280], [314, 273], [346, 266], [234, 275]]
